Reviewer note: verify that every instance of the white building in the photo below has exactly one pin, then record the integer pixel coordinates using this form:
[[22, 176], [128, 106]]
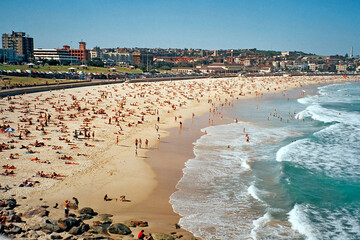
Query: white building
[[276, 64], [96, 53], [119, 57], [341, 67], [60, 55], [313, 67], [285, 53], [182, 69]]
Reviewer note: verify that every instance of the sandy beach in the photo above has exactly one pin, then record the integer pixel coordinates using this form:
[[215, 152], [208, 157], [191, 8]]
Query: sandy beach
[[85, 143]]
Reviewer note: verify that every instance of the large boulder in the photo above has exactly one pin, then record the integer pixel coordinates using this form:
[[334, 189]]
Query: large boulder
[[39, 211], [98, 227], [3, 203], [33, 234], [105, 218], [11, 203], [87, 210], [34, 226], [67, 223], [85, 217], [136, 224], [50, 226], [13, 229], [84, 227], [15, 218], [162, 236], [55, 236], [75, 231], [119, 228]]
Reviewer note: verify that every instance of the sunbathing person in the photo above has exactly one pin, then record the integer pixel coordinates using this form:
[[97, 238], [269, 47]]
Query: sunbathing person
[[7, 173], [31, 151], [89, 145], [7, 166], [28, 183], [64, 157]]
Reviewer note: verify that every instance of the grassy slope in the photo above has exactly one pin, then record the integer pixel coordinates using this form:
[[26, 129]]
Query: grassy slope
[[24, 81]]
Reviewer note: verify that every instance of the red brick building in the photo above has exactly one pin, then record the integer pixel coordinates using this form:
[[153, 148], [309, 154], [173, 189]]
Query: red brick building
[[82, 53]]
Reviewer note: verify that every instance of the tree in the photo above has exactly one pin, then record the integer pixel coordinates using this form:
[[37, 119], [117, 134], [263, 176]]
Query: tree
[[96, 62], [53, 62]]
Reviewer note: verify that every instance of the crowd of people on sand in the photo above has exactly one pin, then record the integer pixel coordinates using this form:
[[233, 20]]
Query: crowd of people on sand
[[58, 128]]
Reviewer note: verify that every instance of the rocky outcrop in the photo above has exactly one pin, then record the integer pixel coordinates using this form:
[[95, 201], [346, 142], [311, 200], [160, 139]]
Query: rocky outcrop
[[88, 211], [34, 223], [105, 218], [50, 226], [136, 224], [100, 228], [85, 217], [55, 236], [11, 203], [38, 211], [119, 228], [162, 236], [68, 223]]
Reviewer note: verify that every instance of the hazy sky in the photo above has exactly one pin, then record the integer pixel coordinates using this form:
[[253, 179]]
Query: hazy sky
[[324, 27]]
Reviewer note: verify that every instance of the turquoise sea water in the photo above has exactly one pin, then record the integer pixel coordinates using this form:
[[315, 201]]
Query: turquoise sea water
[[297, 178]]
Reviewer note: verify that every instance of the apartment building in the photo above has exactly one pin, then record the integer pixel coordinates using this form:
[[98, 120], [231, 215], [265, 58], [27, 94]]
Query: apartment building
[[18, 41]]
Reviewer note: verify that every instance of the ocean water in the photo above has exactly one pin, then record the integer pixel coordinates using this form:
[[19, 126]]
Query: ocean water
[[297, 178]]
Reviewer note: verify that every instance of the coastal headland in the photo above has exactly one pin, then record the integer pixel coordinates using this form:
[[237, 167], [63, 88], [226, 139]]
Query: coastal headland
[[109, 147]]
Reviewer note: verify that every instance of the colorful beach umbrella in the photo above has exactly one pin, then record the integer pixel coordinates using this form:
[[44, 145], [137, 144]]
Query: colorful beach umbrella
[[9, 130]]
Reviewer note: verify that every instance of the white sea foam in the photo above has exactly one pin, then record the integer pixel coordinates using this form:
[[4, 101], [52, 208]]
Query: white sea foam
[[252, 190], [259, 224], [284, 153], [218, 179], [300, 222], [336, 93], [326, 115], [309, 99], [332, 152]]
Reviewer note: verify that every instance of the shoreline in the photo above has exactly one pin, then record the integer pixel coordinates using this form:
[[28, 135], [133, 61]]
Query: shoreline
[[125, 173], [168, 159], [175, 135]]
